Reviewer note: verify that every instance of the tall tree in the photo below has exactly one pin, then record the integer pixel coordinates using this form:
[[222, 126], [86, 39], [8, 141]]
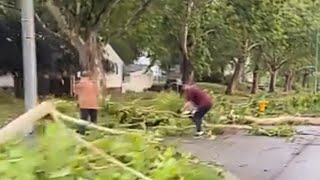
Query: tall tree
[[295, 24], [243, 21], [83, 22], [256, 68], [175, 29]]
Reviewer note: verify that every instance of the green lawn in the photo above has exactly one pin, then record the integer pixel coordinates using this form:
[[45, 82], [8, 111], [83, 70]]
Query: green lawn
[[203, 172], [10, 107]]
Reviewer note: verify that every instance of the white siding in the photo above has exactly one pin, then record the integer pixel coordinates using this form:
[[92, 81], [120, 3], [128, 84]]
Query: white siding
[[138, 81], [6, 81], [114, 80]]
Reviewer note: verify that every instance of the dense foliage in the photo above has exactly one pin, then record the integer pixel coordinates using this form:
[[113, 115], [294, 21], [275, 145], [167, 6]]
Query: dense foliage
[[211, 38], [51, 158], [54, 54], [232, 35], [158, 112]]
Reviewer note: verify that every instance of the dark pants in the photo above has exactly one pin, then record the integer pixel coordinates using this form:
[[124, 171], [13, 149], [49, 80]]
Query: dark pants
[[198, 116], [88, 115]]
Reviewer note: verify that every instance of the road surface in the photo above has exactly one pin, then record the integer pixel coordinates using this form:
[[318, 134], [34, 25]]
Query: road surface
[[261, 158]]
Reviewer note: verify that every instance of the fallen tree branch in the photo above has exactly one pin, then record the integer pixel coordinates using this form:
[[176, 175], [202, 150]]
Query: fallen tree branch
[[106, 156], [305, 120], [76, 40], [315, 121], [59, 17], [88, 124], [231, 126], [20, 125]]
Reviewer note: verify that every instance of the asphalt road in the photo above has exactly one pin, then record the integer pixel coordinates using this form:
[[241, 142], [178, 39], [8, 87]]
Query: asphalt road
[[261, 158]]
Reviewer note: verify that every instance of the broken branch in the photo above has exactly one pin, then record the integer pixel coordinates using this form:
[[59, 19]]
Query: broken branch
[[104, 155], [87, 124], [18, 126], [253, 46]]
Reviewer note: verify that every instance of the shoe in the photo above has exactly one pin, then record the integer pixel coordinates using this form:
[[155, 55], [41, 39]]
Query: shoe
[[199, 134]]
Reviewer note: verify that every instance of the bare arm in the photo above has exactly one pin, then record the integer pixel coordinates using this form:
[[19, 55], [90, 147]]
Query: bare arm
[[186, 105], [188, 100]]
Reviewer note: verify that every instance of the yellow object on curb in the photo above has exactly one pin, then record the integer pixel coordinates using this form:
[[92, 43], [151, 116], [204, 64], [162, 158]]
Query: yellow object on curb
[[263, 105]]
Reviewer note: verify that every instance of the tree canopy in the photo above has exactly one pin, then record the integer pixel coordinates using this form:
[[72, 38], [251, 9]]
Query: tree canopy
[[54, 54], [203, 37]]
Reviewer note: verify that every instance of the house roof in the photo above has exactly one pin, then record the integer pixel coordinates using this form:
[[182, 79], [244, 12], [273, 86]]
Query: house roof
[[112, 55]]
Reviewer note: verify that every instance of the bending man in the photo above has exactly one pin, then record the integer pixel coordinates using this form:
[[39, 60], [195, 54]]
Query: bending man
[[201, 101]]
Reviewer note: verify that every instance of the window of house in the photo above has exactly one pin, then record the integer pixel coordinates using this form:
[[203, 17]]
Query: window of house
[[116, 70]]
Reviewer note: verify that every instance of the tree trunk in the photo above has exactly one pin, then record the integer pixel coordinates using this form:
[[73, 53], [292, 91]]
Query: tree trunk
[[242, 78], [18, 4], [291, 81], [286, 84], [94, 54], [305, 79], [91, 45], [222, 70], [18, 85], [89, 49], [235, 77], [273, 80], [289, 77], [186, 66], [255, 81], [186, 70]]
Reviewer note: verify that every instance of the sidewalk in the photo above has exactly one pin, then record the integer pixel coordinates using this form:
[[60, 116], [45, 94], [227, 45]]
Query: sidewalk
[[261, 158]]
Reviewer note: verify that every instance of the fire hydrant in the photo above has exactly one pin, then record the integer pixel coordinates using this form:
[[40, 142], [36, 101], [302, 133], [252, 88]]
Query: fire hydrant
[[263, 104]]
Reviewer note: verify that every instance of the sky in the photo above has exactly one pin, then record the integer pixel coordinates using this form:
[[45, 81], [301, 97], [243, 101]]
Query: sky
[[143, 60]]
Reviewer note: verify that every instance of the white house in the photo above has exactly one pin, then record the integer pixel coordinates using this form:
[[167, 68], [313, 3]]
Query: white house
[[115, 78], [126, 78], [6, 81], [137, 78]]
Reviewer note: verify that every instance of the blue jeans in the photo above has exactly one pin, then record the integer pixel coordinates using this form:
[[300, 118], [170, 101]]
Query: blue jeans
[[198, 116]]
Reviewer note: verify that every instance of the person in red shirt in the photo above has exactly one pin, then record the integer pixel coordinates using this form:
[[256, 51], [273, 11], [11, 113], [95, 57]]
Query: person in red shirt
[[87, 91], [199, 99]]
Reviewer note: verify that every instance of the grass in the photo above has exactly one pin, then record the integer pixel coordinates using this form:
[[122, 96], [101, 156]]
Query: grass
[[10, 107], [216, 88], [202, 172]]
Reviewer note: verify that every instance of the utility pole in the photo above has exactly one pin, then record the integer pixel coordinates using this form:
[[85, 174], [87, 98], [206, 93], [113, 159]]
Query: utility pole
[[29, 54], [29, 59]]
